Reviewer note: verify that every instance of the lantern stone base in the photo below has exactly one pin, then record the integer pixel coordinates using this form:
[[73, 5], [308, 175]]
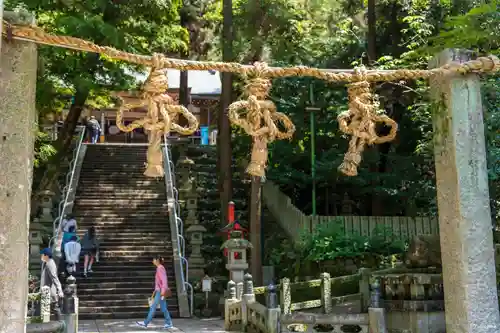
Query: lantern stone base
[[237, 271]]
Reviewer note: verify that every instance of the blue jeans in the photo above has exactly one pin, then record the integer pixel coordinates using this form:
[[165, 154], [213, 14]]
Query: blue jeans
[[95, 136], [163, 307]]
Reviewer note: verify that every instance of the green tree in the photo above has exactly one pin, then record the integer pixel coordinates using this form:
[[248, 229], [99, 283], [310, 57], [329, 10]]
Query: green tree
[[141, 27]]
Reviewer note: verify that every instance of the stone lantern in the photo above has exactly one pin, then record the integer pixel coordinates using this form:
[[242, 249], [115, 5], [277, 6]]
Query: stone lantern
[[347, 205], [196, 260], [46, 205], [35, 240], [237, 255]]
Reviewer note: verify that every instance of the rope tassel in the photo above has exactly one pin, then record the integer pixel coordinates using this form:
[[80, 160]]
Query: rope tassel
[[159, 104], [259, 122], [360, 121]]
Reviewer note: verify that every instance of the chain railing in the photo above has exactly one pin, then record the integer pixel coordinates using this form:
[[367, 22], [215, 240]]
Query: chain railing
[[56, 226], [175, 219]]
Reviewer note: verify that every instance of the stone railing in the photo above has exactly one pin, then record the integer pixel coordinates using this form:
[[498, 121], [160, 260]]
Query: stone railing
[[411, 289], [244, 313], [328, 297]]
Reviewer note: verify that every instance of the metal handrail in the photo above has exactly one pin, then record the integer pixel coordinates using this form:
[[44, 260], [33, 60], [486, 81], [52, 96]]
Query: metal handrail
[[56, 225], [172, 195]]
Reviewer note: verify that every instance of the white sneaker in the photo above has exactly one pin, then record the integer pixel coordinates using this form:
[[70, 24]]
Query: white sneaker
[[141, 324]]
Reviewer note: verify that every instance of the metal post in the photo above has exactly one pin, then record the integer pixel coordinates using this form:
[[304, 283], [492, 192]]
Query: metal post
[[70, 306]]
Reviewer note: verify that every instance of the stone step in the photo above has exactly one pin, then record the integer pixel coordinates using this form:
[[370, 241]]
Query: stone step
[[111, 192], [146, 235], [130, 203], [174, 313], [110, 304], [115, 264], [148, 248], [139, 184], [128, 254], [130, 231], [118, 287], [137, 296], [148, 272], [120, 212], [132, 239], [122, 222], [146, 279], [138, 309]]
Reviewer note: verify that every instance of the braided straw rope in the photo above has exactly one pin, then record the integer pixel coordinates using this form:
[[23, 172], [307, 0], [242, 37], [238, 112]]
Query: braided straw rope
[[159, 104], [260, 118], [359, 121], [37, 35]]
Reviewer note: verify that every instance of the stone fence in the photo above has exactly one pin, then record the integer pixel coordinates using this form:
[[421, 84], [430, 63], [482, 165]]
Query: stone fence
[[243, 312]]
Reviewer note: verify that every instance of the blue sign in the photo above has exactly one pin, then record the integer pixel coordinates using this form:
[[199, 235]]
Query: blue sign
[[204, 135]]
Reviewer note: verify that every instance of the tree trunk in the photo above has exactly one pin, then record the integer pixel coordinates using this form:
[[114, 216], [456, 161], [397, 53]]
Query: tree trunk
[[224, 150], [256, 230], [372, 32]]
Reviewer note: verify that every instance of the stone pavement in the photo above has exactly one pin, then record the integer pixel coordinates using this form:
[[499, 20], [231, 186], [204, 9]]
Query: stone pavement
[[181, 325]]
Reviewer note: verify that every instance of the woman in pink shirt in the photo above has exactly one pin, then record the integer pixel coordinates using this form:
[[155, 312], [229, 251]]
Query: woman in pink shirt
[[159, 296]]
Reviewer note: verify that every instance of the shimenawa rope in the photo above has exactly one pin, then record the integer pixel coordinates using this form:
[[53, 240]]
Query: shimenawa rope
[[359, 122]]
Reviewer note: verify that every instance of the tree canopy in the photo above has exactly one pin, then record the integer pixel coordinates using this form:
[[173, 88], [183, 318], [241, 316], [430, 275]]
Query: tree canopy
[[382, 34]]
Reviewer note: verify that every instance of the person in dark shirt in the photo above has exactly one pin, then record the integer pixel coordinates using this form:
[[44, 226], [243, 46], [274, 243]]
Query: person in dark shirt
[[94, 129]]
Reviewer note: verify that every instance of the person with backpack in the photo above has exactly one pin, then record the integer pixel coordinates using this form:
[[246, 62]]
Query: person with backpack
[[94, 129]]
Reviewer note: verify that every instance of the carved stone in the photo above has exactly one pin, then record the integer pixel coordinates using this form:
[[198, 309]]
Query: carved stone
[[424, 251]]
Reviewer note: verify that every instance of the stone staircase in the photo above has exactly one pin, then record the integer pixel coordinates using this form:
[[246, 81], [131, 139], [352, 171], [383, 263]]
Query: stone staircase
[[129, 212]]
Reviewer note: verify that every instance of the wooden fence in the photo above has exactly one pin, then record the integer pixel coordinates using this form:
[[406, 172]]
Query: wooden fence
[[294, 221]]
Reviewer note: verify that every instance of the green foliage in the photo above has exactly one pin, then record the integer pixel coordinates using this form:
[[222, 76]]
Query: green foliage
[[329, 241], [43, 149]]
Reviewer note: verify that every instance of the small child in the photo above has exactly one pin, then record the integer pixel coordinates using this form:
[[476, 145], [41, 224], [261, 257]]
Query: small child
[[72, 251]]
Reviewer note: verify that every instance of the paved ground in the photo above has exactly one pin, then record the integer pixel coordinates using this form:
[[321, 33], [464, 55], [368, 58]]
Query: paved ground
[[128, 326]]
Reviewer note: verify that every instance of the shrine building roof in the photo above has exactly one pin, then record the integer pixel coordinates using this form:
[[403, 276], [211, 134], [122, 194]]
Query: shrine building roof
[[200, 82]]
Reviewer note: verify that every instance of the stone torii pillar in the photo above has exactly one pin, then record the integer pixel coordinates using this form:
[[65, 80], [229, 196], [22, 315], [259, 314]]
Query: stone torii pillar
[[18, 63], [463, 199]]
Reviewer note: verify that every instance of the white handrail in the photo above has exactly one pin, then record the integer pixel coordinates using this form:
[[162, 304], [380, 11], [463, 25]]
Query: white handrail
[[172, 195], [56, 225]]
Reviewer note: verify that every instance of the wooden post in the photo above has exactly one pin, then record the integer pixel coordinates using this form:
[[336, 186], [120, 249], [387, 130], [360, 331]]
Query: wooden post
[[255, 229], [285, 296], [18, 65], [326, 292], [224, 151], [464, 210]]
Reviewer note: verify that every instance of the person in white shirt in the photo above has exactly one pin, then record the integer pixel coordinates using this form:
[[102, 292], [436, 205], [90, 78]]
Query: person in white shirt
[[68, 222], [72, 251]]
